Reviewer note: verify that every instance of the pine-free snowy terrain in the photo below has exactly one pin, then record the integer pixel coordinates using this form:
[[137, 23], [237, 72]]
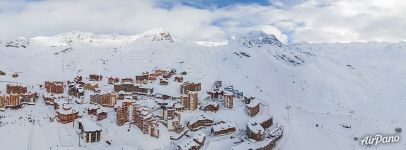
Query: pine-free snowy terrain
[[312, 89]]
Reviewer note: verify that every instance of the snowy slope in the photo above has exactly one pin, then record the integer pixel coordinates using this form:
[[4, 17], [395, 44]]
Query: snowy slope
[[358, 84]]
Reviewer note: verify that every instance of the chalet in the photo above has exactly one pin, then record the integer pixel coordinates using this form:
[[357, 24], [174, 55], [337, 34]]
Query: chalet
[[253, 108], [13, 101], [163, 82], [179, 79], [190, 101], [192, 142], [55, 87], [16, 89], [95, 77], [2, 73], [107, 100], [90, 130], [66, 114], [145, 120], [255, 131], [187, 86], [199, 121], [113, 80], [228, 99], [223, 128], [210, 106]]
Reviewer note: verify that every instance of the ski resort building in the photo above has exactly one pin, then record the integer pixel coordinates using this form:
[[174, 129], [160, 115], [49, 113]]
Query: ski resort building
[[106, 100], [113, 80], [223, 128], [13, 101], [66, 114], [228, 99], [2, 102], [145, 120], [253, 108], [16, 89], [124, 111], [187, 86], [192, 142], [197, 122], [90, 130], [190, 101], [210, 106], [95, 77], [55, 87]]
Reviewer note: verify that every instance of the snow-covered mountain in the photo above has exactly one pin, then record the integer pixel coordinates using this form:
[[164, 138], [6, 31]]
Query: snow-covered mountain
[[312, 89]]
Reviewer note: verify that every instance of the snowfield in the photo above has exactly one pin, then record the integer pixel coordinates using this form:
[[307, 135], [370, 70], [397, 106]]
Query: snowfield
[[327, 96]]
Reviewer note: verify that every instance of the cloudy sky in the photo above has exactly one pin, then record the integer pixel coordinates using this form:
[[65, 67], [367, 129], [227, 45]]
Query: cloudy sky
[[291, 21]]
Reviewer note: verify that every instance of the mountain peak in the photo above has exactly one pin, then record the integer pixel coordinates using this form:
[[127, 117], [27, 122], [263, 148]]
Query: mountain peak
[[159, 34], [257, 39]]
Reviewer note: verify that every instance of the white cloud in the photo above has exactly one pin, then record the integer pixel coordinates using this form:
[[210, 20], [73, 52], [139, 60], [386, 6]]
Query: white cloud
[[293, 20]]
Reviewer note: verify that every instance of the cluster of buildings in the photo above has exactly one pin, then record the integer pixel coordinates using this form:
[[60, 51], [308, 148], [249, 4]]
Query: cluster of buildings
[[128, 97], [16, 96]]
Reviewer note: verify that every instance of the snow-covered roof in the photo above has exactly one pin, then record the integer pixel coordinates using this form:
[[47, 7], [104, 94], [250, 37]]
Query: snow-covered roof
[[255, 127], [223, 126], [187, 144], [89, 125], [215, 104], [194, 119], [199, 136], [253, 103], [66, 109]]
